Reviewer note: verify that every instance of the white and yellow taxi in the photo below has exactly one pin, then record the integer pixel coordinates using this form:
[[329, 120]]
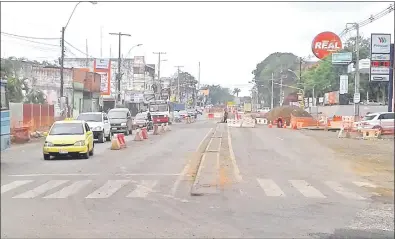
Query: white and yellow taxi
[[69, 138]]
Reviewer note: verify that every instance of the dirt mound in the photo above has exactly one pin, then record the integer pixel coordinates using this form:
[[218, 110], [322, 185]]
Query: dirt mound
[[285, 112]]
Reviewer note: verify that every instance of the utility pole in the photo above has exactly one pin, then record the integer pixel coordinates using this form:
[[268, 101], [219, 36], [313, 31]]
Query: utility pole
[[356, 90], [281, 90], [272, 103], [160, 83], [62, 62], [178, 83], [87, 55], [199, 77], [119, 75], [101, 42]]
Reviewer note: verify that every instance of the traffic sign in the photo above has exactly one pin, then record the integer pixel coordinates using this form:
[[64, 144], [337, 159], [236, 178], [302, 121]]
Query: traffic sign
[[357, 97]]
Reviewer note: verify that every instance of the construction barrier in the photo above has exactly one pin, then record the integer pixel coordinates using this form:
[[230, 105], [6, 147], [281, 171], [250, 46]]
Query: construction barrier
[[121, 140], [144, 133], [261, 121], [234, 123], [218, 115], [248, 123]]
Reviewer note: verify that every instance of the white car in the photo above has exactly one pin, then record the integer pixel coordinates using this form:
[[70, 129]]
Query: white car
[[384, 121], [99, 124]]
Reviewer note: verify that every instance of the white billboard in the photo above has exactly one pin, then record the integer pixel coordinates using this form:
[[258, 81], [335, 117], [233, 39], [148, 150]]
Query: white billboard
[[102, 64], [343, 84], [381, 43], [380, 50]]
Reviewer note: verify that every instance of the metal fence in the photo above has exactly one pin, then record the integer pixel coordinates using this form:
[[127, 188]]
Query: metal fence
[[31, 116]]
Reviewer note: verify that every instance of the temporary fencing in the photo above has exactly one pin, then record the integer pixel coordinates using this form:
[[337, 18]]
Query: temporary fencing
[[261, 121], [248, 122]]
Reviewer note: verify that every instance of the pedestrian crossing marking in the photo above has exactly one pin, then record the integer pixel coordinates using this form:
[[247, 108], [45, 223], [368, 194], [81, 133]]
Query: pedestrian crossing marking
[[270, 187], [365, 184], [306, 189], [70, 190], [41, 189], [143, 190], [343, 191], [13, 185], [108, 189]]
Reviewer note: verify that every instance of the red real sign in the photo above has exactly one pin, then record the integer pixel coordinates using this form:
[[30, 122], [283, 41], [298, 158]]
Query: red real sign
[[326, 43]]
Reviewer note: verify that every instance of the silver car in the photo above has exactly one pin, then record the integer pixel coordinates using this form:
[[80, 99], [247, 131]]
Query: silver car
[[384, 121]]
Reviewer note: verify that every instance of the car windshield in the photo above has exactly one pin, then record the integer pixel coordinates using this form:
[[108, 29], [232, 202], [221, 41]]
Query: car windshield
[[67, 129], [141, 116], [158, 108], [368, 117], [117, 114], [90, 117]]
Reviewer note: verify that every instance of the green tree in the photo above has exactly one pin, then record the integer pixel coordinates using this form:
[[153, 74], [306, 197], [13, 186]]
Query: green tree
[[219, 95], [236, 92], [15, 89], [278, 64]]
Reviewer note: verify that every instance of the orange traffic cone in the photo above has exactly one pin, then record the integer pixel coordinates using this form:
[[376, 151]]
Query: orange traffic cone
[[144, 132], [138, 136], [285, 125], [270, 124]]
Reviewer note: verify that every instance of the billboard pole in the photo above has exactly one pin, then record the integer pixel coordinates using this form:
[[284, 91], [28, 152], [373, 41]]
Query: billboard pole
[[356, 90], [391, 82]]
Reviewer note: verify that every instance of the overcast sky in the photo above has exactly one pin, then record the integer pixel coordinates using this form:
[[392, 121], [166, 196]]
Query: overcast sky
[[229, 39]]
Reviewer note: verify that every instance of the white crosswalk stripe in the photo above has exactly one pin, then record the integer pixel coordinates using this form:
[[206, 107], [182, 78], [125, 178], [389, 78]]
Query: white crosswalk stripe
[[365, 184], [270, 187], [108, 189], [70, 190], [13, 185], [143, 190], [41, 189], [337, 187], [306, 189]]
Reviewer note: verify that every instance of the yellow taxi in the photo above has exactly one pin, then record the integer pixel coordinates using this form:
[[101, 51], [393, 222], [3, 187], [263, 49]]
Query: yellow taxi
[[69, 137]]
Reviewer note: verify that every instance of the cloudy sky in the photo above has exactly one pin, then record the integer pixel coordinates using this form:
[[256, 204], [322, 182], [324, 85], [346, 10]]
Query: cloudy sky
[[229, 39]]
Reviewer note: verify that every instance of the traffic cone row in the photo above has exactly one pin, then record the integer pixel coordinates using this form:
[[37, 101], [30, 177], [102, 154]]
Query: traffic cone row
[[118, 142]]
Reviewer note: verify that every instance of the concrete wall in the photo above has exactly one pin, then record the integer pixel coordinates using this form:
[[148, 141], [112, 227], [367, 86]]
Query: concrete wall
[[347, 110], [77, 104]]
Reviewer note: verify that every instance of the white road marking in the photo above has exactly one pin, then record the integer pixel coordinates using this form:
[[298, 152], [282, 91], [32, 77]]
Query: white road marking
[[108, 189], [53, 174], [270, 187], [13, 185], [70, 190], [236, 170], [306, 189], [143, 190], [343, 191], [280, 138], [365, 184], [208, 145], [41, 189]]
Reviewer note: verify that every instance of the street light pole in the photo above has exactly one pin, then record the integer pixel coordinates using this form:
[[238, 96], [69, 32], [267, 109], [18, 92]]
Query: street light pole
[[62, 48], [272, 102], [160, 85], [119, 76], [178, 83]]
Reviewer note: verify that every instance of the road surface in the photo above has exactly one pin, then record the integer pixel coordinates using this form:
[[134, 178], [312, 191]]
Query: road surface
[[197, 180]]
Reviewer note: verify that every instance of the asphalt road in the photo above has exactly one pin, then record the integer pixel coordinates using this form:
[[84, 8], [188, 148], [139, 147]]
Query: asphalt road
[[197, 180]]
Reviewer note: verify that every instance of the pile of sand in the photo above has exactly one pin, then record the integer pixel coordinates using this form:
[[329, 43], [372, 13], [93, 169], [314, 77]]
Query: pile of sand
[[285, 113]]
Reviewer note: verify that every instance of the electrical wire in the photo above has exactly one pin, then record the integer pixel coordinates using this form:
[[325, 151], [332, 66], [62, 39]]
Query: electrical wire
[[75, 48], [37, 38], [22, 39], [35, 46]]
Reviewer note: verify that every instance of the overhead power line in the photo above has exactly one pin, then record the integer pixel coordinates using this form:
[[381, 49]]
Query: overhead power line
[[75, 48], [22, 39], [371, 19], [37, 38]]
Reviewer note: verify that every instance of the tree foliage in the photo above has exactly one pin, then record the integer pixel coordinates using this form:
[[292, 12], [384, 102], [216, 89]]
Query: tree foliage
[[236, 91], [218, 95]]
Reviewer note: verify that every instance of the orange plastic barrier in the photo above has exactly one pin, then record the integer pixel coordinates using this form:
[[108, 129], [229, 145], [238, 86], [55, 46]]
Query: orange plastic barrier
[[121, 140], [144, 132], [211, 115], [300, 122]]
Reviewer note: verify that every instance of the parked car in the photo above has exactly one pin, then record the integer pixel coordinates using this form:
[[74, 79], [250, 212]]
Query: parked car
[[121, 121], [99, 124], [69, 137], [140, 120], [384, 121]]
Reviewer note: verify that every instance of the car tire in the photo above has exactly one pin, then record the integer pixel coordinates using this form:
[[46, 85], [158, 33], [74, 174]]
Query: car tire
[[92, 151], [131, 131], [86, 155], [102, 138], [108, 138], [47, 157]]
